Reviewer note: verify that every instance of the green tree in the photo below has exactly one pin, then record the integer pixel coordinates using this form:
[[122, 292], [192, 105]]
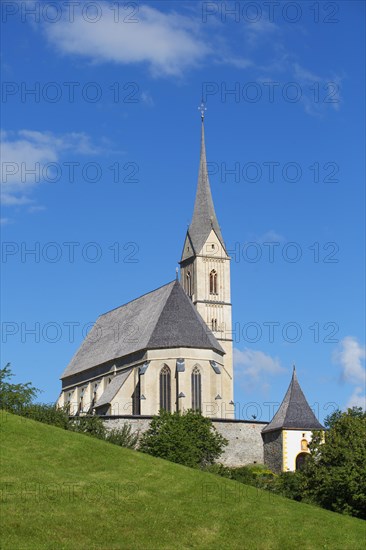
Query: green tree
[[335, 474], [186, 438], [13, 397]]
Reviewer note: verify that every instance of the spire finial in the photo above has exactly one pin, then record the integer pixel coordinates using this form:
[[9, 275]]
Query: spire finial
[[202, 108], [176, 274]]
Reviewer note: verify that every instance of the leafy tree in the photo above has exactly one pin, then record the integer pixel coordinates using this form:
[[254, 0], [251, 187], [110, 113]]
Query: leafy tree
[[187, 438], [335, 474], [13, 397]]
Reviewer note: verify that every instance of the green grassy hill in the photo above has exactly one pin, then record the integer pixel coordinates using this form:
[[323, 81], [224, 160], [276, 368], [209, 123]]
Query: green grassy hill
[[62, 490]]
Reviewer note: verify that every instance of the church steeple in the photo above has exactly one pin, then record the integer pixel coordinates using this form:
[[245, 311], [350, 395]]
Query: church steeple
[[204, 215], [205, 269]]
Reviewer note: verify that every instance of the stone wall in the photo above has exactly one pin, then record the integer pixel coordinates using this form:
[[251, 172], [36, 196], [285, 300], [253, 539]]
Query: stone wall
[[245, 440], [273, 450]]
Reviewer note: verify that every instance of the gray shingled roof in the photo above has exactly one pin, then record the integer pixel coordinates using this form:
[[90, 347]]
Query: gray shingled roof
[[164, 318], [204, 216], [112, 388], [294, 411]]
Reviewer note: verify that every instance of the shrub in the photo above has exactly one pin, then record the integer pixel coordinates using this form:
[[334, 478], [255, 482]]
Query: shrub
[[124, 437], [220, 470], [185, 438], [46, 413], [89, 425], [257, 475]]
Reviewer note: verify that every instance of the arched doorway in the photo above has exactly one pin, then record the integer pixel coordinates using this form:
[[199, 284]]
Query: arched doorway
[[301, 459]]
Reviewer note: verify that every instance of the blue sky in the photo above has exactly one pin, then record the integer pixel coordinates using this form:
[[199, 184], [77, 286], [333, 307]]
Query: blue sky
[[112, 132]]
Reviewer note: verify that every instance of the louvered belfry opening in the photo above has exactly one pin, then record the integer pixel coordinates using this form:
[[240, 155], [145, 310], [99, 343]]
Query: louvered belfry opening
[[213, 282], [165, 389], [196, 389]]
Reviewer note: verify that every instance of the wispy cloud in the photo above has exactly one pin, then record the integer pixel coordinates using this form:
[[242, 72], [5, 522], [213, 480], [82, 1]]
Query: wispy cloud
[[270, 236], [350, 355], [167, 42], [25, 155], [252, 367], [358, 398]]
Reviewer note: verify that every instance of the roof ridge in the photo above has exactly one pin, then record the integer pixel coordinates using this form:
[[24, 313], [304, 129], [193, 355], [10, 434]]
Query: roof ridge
[[138, 298]]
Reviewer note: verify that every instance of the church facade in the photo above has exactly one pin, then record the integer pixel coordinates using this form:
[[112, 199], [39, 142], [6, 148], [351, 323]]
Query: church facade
[[172, 349]]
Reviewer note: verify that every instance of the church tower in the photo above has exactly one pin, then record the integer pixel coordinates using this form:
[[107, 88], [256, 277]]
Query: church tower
[[205, 270]]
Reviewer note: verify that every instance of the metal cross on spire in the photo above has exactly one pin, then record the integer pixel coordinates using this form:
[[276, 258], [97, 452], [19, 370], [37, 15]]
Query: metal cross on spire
[[202, 108]]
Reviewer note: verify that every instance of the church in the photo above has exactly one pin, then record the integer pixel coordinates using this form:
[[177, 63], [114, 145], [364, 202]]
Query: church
[[172, 349]]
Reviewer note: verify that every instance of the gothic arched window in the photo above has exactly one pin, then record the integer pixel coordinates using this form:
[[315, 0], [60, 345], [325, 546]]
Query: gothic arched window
[[165, 391], [196, 389], [213, 282], [189, 283], [214, 324], [136, 399]]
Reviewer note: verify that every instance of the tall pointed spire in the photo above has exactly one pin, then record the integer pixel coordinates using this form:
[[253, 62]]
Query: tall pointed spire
[[204, 216], [294, 411]]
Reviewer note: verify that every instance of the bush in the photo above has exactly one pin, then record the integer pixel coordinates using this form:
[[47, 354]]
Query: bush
[[185, 438], [48, 414], [290, 485], [220, 470], [123, 437], [257, 475], [89, 425]]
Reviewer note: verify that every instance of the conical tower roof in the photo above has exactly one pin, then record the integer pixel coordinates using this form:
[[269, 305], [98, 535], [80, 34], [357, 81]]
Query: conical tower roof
[[294, 412], [204, 215]]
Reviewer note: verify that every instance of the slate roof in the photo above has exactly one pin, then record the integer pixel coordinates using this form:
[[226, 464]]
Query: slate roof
[[112, 388], [163, 318], [204, 216], [294, 411]]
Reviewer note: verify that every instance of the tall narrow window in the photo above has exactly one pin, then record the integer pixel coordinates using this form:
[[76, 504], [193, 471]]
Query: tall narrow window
[[81, 404], [189, 283], [214, 324], [165, 389], [213, 282], [196, 389], [136, 409]]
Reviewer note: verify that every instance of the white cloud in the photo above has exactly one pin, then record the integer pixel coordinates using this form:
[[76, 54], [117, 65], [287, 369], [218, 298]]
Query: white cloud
[[318, 92], [26, 153], [253, 367], [168, 43], [357, 399], [270, 237], [350, 355]]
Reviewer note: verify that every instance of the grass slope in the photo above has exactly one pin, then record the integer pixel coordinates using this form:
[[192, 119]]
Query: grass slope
[[68, 491]]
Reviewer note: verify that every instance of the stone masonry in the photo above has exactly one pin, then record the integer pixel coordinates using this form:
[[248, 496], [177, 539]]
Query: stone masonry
[[244, 436]]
